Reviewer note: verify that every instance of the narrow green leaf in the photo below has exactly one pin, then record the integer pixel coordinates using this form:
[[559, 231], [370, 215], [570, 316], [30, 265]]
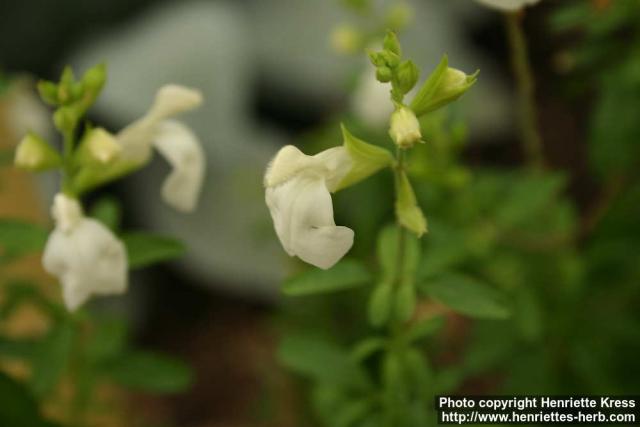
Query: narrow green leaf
[[387, 251], [408, 212], [424, 328], [18, 408], [52, 358], [323, 361], [347, 274], [149, 372], [19, 238], [144, 249], [367, 347], [467, 296]]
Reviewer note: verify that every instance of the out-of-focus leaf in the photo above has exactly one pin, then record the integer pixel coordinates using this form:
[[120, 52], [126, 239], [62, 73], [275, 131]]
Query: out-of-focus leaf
[[18, 238], [322, 361], [107, 340], [52, 357], [347, 274], [107, 210], [18, 408], [528, 314], [367, 347], [144, 249], [466, 296], [424, 328], [6, 156], [17, 348], [150, 372]]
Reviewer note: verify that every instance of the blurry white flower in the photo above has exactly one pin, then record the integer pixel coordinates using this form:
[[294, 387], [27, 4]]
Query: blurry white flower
[[183, 151], [84, 254], [508, 5], [370, 101], [297, 194], [134, 146]]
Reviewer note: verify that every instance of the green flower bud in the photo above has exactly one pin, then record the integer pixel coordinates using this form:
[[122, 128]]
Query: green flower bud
[[65, 118], [408, 212], [48, 92], [35, 154], [407, 76], [92, 83], [391, 43], [345, 39], [391, 59], [443, 86], [404, 127], [65, 93], [384, 74], [398, 16]]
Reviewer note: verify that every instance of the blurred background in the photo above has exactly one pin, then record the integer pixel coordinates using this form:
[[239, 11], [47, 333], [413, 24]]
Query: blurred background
[[563, 243]]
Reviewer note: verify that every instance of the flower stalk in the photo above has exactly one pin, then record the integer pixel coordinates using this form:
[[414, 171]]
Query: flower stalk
[[521, 65]]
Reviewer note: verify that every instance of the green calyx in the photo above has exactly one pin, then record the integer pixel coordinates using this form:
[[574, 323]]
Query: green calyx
[[442, 87], [366, 159]]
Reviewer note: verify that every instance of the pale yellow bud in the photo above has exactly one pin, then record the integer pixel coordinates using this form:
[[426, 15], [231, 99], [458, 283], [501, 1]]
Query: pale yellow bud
[[102, 146], [35, 154], [404, 127]]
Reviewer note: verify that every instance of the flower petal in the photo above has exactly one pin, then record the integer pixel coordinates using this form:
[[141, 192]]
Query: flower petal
[[508, 5], [88, 260], [302, 213], [182, 150]]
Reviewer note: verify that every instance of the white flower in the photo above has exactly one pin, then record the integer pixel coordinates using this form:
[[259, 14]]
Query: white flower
[[85, 256], [370, 101], [297, 194], [173, 140], [508, 5]]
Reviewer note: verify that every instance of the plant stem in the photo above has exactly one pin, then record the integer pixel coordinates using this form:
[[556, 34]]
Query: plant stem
[[526, 91], [402, 232], [67, 162]]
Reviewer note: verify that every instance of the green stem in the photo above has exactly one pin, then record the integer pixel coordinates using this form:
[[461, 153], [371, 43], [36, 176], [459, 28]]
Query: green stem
[[526, 91], [67, 162]]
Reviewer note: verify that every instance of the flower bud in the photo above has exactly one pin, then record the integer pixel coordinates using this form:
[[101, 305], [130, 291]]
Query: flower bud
[[391, 43], [384, 74], [92, 82], [101, 145], [35, 154], [442, 87], [48, 92], [65, 118], [346, 40], [407, 75], [404, 127]]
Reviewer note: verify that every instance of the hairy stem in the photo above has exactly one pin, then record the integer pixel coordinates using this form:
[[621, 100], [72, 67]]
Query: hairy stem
[[526, 91]]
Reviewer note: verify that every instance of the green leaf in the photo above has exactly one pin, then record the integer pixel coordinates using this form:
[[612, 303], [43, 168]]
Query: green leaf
[[149, 372], [347, 274], [322, 361], [405, 302], [424, 328], [17, 348], [467, 296], [144, 249], [19, 238], [52, 357], [428, 89], [108, 211], [367, 347], [18, 408], [107, 340]]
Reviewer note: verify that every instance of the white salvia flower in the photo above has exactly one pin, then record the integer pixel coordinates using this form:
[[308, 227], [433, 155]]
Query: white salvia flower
[[298, 196], [85, 256], [173, 140], [183, 151], [370, 100], [508, 5]]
